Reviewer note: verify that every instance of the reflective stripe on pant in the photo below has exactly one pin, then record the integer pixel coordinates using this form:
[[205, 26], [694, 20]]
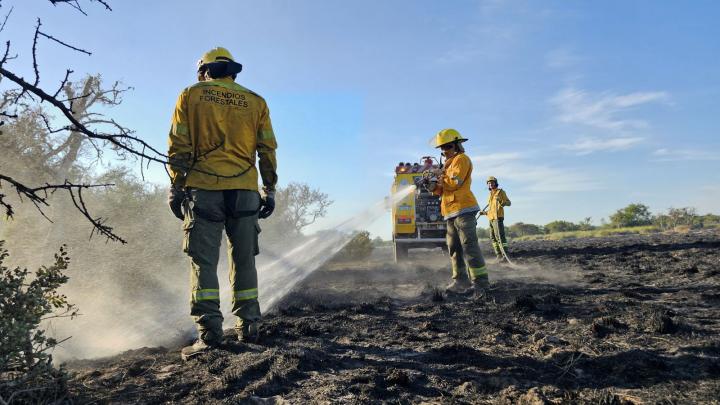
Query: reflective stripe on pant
[[203, 234], [497, 235], [465, 256]]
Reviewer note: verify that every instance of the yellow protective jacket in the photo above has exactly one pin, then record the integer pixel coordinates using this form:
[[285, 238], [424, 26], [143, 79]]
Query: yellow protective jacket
[[456, 197], [217, 128], [496, 201]]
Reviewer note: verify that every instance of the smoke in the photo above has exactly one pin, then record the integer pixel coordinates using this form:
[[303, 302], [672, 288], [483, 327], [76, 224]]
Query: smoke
[[138, 295], [279, 276], [531, 272]]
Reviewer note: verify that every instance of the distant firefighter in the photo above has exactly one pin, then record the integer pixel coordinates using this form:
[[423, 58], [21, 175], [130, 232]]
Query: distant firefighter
[[458, 207], [497, 200], [218, 128]]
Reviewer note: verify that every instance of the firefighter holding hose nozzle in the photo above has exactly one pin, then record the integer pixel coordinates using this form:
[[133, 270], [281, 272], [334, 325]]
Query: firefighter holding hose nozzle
[[497, 200], [458, 207]]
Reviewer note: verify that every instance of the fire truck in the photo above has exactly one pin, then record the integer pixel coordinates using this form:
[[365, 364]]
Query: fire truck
[[417, 222]]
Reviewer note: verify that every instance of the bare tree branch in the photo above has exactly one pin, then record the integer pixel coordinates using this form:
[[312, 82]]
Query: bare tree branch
[[72, 3], [82, 125], [34, 53], [76, 4], [39, 197], [64, 44], [63, 83], [2, 27]]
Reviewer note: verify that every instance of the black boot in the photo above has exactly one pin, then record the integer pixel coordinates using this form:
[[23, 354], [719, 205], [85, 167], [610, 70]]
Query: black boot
[[248, 331], [207, 341], [480, 288]]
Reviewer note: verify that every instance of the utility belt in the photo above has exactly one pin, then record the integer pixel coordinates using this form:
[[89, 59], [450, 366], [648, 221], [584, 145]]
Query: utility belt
[[219, 205]]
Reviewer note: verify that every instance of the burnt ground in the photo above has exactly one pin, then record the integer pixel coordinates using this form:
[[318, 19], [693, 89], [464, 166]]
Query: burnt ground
[[617, 320]]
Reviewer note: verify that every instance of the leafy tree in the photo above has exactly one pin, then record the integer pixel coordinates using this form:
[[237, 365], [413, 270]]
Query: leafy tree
[[26, 300], [677, 216], [482, 233], [359, 248], [561, 226], [709, 219], [297, 206], [586, 224], [522, 229], [632, 215]]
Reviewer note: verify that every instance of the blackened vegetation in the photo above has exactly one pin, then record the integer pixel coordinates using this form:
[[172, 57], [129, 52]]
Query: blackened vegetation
[[632, 338]]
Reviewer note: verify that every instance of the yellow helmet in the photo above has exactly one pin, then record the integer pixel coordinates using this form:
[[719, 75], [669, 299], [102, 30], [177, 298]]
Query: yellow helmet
[[218, 54], [219, 62], [491, 178], [448, 135]]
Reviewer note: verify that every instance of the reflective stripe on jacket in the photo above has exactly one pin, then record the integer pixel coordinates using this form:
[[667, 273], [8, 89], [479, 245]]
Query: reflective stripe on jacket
[[454, 190], [496, 201], [217, 128]]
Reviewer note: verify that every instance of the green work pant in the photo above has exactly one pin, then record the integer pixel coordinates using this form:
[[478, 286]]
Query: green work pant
[[465, 256], [235, 212], [497, 236]]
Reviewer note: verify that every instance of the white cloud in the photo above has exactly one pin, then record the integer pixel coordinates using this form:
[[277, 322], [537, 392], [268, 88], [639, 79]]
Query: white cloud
[[561, 59], [496, 158], [538, 178], [603, 110], [676, 155], [586, 146]]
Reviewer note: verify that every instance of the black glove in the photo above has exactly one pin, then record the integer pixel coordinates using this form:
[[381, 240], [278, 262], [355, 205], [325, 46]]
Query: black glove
[[267, 205], [175, 200]]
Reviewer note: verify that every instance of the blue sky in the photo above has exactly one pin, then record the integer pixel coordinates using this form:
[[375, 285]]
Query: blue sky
[[579, 108]]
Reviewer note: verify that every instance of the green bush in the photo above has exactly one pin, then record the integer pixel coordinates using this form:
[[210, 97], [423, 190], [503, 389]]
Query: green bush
[[359, 248], [632, 215], [561, 226], [26, 300], [521, 229], [594, 233]]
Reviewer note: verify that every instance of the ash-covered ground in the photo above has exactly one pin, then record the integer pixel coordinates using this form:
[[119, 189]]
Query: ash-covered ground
[[617, 320]]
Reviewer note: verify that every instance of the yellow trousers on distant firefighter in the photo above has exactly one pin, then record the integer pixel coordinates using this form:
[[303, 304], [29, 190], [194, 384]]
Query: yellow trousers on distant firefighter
[[465, 256], [497, 236]]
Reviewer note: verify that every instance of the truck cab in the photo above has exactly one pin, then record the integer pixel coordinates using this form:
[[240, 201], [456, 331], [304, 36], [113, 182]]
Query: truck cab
[[417, 222]]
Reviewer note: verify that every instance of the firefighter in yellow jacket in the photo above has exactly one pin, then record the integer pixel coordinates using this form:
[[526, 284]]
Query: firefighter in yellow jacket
[[218, 129], [458, 207], [497, 200]]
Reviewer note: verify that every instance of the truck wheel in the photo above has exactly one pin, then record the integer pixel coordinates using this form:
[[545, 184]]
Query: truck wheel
[[400, 251]]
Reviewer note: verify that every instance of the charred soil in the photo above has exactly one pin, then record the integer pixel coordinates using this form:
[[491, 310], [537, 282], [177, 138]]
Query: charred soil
[[617, 320]]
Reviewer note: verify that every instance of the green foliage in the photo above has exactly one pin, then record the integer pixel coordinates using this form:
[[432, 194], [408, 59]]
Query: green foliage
[[674, 217], [560, 226], [359, 248], [26, 370], [594, 233], [632, 215], [586, 224], [522, 229], [482, 233], [709, 220]]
